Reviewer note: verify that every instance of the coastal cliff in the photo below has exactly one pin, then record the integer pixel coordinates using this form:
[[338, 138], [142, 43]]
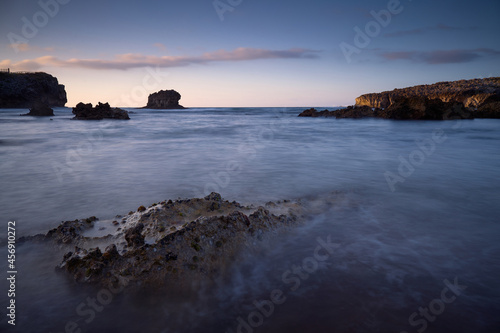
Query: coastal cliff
[[465, 99], [472, 93], [164, 99], [23, 90]]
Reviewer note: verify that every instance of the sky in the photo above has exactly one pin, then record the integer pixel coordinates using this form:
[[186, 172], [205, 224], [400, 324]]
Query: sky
[[248, 53]]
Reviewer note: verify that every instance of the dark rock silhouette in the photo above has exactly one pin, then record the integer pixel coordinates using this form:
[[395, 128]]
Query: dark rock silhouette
[[22, 90], [40, 109], [100, 111], [164, 99]]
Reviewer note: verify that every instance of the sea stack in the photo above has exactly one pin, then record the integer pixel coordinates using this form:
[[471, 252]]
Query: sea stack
[[164, 99]]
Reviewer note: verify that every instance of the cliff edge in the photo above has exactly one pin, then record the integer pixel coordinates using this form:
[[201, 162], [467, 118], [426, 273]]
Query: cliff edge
[[23, 90]]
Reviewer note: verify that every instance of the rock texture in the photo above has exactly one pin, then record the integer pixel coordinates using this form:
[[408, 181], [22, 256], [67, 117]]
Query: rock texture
[[40, 110], [164, 99], [472, 93], [466, 99], [100, 111], [172, 243], [22, 90]]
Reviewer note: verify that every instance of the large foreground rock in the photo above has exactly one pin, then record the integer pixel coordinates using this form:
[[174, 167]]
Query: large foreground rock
[[22, 90], [164, 99], [99, 112], [172, 243]]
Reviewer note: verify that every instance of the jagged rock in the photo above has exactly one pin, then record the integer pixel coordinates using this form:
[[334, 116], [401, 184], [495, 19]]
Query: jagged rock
[[100, 111], [21, 90], [40, 109], [174, 243], [134, 236], [164, 99]]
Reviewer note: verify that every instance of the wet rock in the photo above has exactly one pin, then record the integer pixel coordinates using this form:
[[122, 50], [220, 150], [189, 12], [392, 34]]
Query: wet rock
[[134, 236]]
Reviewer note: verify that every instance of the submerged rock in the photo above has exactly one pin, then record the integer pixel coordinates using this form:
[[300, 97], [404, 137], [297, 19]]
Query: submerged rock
[[40, 109], [100, 111]]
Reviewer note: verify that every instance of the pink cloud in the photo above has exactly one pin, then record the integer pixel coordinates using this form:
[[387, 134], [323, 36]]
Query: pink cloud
[[132, 60]]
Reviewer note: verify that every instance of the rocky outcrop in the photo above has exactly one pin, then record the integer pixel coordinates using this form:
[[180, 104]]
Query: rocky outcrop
[[164, 99], [22, 90], [40, 110], [100, 111], [172, 243], [413, 108], [471, 93], [465, 99]]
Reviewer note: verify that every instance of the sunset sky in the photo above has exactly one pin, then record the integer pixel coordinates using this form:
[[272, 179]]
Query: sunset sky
[[253, 53]]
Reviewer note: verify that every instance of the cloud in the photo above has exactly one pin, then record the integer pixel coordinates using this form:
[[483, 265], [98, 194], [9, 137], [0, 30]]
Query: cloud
[[441, 56], [132, 60], [25, 47], [423, 30], [160, 46]]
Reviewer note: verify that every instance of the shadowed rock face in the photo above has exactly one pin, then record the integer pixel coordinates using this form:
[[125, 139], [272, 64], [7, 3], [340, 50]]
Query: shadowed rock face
[[164, 99], [100, 111], [22, 90], [414, 108]]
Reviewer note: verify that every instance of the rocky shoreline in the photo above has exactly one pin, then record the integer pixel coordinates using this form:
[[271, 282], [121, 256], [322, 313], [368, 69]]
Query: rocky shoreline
[[171, 242], [465, 99]]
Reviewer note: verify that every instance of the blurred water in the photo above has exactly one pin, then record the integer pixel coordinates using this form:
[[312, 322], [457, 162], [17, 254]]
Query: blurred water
[[397, 243]]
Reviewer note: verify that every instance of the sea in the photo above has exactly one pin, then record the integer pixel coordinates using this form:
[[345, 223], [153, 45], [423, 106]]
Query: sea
[[412, 244]]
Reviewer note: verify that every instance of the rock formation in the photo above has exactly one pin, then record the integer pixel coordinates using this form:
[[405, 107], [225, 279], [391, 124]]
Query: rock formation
[[173, 243], [412, 108], [164, 99], [479, 98], [22, 90], [472, 93], [40, 109], [100, 111]]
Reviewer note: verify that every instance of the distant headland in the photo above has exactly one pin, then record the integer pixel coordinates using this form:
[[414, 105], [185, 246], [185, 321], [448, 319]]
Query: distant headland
[[25, 89], [464, 99]]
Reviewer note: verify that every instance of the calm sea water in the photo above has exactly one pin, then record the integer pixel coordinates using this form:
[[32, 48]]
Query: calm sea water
[[420, 214]]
